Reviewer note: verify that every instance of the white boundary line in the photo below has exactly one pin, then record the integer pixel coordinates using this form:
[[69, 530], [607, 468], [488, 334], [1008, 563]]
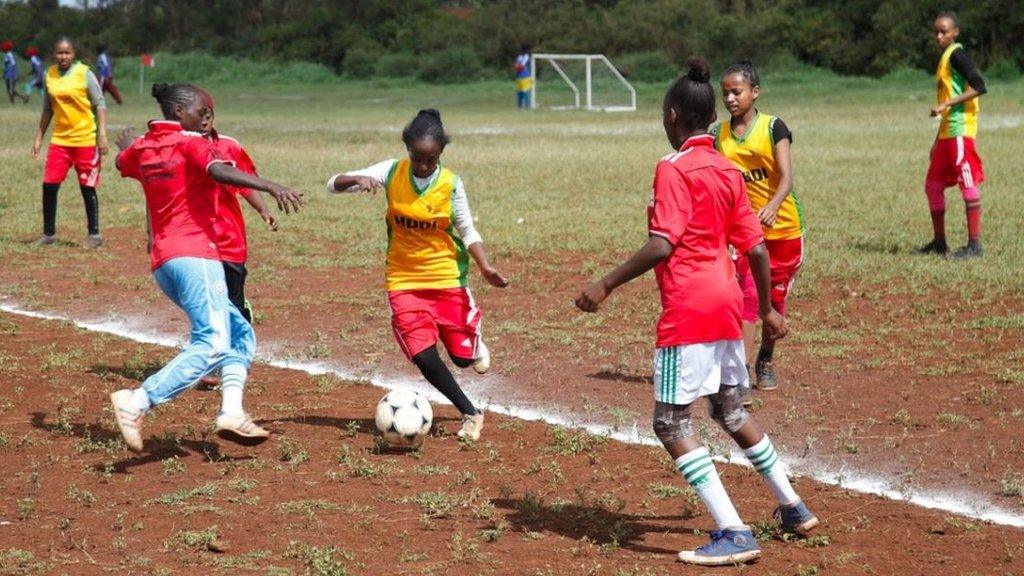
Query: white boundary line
[[962, 503]]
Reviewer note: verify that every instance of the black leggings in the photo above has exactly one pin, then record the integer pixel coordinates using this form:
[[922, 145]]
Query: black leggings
[[430, 364], [92, 208], [234, 277]]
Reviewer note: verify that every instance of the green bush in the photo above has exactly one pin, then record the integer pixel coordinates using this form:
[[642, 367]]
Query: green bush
[[646, 67], [1003, 69], [360, 63], [400, 65], [452, 65]]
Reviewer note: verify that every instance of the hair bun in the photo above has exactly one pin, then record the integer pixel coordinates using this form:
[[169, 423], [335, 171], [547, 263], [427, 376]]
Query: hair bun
[[700, 70], [159, 90], [430, 112]]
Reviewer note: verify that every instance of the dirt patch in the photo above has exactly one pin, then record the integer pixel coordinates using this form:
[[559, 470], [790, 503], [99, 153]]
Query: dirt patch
[[921, 389], [322, 498]]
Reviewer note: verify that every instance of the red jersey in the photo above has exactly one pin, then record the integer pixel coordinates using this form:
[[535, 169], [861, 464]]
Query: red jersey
[[231, 240], [700, 206], [181, 198]]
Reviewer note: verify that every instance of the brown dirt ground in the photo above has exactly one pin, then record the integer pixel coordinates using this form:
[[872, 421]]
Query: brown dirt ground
[[321, 498], [903, 382]]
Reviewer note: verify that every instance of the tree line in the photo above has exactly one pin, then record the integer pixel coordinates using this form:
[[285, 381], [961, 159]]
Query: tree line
[[464, 39]]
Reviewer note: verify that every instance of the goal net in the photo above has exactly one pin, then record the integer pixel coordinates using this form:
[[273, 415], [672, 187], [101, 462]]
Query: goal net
[[587, 81]]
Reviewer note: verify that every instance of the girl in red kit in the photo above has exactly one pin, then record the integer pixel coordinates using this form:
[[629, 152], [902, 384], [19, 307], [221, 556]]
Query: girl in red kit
[[699, 208]]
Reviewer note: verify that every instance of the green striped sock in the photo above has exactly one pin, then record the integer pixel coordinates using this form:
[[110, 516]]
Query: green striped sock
[[765, 460], [699, 470]]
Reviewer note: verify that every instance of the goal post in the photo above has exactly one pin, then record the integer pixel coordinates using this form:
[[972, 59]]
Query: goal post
[[556, 61]]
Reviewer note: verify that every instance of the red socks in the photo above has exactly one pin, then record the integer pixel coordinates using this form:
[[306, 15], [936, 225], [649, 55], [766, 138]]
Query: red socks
[[939, 224], [973, 221]]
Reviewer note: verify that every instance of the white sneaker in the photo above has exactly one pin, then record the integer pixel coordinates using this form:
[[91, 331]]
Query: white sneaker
[[471, 426], [128, 418], [482, 362], [240, 428]]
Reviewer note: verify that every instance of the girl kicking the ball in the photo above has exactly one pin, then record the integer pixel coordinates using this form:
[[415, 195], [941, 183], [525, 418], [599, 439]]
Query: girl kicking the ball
[[758, 144], [180, 171], [954, 158], [428, 263], [699, 208]]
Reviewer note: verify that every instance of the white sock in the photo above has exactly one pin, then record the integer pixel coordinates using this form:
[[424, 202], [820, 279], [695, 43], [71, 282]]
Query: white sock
[[232, 382], [765, 460], [698, 469], [140, 400]]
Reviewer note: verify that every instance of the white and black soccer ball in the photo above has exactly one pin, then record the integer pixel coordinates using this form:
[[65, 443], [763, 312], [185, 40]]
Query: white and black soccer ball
[[404, 417]]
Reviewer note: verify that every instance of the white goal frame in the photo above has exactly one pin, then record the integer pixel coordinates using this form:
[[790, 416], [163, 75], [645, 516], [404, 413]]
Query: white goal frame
[[589, 59]]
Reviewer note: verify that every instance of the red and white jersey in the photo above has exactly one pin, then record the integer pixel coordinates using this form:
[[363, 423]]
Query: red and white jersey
[[231, 239], [700, 206], [181, 198]]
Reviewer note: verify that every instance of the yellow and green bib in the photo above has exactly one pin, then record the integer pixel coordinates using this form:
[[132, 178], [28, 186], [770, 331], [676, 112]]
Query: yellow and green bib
[[423, 250], [74, 124], [754, 154], [962, 119]]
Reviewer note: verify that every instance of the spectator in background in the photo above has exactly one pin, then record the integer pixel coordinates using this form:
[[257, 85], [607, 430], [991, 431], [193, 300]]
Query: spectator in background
[[11, 71], [106, 69], [38, 78], [524, 79]]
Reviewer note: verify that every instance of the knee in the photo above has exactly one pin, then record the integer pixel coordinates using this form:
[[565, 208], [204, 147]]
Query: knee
[[461, 362], [727, 409], [428, 358], [672, 423], [936, 193]]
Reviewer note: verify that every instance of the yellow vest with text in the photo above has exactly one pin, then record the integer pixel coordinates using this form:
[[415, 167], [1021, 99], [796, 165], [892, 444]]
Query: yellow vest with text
[[754, 154], [423, 250], [962, 119], [74, 123]]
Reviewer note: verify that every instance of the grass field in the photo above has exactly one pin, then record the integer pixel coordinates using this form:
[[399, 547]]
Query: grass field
[[903, 365]]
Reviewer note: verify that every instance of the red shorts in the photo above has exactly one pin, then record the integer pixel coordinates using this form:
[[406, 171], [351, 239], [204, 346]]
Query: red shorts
[[956, 161], [60, 159], [786, 256], [422, 317]]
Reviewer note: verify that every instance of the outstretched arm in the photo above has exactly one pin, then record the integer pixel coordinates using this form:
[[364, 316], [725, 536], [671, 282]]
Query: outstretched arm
[[490, 273], [255, 199], [655, 250], [287, 199]]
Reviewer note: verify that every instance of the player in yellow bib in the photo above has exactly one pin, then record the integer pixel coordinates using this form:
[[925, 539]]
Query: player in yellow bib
[[759, 145], [431, 238], [954, 159], [73, 100]]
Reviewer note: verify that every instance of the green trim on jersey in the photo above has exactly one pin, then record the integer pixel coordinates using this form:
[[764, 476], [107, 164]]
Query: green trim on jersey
[[461, 254], [753, 124], [391, 174], [417, 189]]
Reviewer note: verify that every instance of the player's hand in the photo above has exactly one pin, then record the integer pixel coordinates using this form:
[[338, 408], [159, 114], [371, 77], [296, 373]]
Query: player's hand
[[101, 143], [493, 277], [367, 184], [775, 324], [270, 219], [36, 146], [938, 110], [124, 139], [592, 296], [288, 200], [149, 246], [768, 214]]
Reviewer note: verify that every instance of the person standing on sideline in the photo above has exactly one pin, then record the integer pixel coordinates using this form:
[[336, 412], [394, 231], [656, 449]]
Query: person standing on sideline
[[11, 72], [106, 69], [38, 78], [954, 158], [524, 77], [73, 99]]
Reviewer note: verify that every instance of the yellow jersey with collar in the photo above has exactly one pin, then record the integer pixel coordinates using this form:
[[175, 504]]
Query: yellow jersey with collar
[[423, 249], [754, 154]]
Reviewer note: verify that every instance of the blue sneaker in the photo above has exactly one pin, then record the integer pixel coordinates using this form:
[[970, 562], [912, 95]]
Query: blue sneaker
[[729, 546], [796, 519]]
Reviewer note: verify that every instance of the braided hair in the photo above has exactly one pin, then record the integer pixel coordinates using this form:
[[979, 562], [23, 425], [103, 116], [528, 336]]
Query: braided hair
[[746, 69], [692, 96], [168, 95]]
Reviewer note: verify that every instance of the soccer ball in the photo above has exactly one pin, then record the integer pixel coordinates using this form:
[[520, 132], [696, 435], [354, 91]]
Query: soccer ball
[[403, 417]]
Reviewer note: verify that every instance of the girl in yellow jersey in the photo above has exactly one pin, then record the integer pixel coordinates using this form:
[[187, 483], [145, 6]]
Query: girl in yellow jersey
[[73, 100], [759, 145], [430, 240], [954, 159]]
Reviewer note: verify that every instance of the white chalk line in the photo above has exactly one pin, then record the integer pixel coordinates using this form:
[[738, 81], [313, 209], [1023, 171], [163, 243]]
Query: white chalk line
[[961, 503]]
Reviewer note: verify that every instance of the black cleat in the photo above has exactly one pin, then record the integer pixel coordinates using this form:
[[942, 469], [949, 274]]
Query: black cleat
[[936, 246], [971, 250]]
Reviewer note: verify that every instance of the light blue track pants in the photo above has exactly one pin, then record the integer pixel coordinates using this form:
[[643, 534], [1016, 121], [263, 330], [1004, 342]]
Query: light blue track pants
[[221, 339]]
